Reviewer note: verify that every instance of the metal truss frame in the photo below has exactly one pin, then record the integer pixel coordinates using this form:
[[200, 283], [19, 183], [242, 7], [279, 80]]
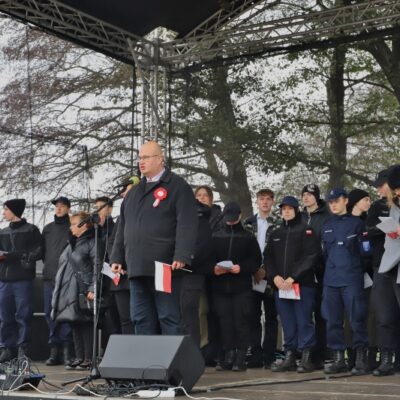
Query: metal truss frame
[[71, 24], [283, 34], [229, 33]]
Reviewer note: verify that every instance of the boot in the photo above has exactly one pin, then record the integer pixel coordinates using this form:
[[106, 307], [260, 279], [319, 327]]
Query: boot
[[227, 363], [351, 358], [372, 363], [254, 358], [54, 357], [6, 355], [288, 364], [361, 364], [68, 353], [338, 365], [240, 361], [306, 364], [386, 365]]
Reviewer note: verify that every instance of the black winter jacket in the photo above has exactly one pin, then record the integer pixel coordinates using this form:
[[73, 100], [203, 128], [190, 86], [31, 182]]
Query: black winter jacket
[[74, 278], [293, 250], [55, 239], [234, 243], [317, 218], [164, 233], [23, 243]]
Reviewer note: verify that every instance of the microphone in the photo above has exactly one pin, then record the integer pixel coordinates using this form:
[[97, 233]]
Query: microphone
[[133, 180]]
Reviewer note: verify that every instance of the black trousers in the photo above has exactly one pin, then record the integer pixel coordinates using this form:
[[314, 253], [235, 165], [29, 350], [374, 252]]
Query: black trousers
[[269, 343], [386, 300], [122, 301], [82, 333], [191, 290], [234, 310]]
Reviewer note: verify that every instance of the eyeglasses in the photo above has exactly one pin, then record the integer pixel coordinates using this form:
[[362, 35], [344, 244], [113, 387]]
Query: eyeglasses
[[145, 158]]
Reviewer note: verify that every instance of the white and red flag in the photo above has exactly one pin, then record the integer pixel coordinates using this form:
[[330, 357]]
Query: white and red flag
[[162, 277]]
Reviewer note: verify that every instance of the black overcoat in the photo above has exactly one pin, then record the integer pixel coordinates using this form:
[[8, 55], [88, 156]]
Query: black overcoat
[[163, 233]]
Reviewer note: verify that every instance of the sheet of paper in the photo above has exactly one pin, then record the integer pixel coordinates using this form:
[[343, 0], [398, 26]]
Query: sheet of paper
[[292, 294], [388, 224], [106, 270], [225, 264], [367, 281], [260, 286]]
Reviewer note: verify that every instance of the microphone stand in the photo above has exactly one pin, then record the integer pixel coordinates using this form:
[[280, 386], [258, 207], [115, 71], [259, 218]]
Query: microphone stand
[[94, 219]]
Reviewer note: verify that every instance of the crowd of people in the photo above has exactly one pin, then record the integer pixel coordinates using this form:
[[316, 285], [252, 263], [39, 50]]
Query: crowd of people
[[326, 271]]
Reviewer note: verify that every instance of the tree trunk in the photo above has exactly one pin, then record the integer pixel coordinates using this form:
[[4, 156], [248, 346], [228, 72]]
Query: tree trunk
[[338, 140], [229, 151]]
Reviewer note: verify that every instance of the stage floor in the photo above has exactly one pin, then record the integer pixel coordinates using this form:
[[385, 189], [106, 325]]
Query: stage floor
[[253, 384]]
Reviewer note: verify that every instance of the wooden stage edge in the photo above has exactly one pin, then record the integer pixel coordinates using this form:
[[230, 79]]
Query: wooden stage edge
[[257, 384]]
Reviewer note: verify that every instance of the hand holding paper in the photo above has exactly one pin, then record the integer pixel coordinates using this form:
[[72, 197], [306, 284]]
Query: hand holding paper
[[388, 225]]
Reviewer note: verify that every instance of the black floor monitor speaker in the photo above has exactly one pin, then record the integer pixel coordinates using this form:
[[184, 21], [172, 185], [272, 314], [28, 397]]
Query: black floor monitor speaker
[[172, 360]]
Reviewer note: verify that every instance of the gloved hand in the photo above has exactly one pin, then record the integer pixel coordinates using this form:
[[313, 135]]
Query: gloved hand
[[393, 235]]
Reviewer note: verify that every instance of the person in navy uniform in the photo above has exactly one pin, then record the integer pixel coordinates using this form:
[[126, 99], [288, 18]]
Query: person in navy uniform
[[344, 243]]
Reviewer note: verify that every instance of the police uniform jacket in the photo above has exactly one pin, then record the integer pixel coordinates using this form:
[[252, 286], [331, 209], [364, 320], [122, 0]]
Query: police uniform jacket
[[293, 250], [163, 233], [345, 243]]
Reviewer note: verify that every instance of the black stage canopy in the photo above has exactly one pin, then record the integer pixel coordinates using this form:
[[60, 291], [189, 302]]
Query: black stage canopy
[[142, 16]]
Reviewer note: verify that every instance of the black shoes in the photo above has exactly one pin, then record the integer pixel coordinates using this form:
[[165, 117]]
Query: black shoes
[[54, 357], [73, 364], [338, 365], [361, 362], [6, 355], [288, 364], [386, 366], [240, 361], [306, 364], [233, 360], [227, 363]]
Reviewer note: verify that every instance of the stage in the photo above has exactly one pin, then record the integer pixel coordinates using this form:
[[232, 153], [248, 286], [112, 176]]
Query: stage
[[253, 384]]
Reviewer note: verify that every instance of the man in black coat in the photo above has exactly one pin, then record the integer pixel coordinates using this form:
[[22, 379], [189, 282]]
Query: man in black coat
[[158, 222], [21, 247], [55, 239]]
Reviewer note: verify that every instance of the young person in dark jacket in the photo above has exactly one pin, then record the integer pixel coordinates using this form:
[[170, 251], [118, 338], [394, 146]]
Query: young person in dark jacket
[[386, 283], [208, 318], [291, 256], [158, 222], [205, 195], [315, 214], [193, 284], [74, 288], [344, 243], [21, 244], [262, 352], [55, 239], [232, 288]]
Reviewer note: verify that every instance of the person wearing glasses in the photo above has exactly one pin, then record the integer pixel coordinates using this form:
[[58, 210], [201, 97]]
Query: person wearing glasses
[[158, 222]]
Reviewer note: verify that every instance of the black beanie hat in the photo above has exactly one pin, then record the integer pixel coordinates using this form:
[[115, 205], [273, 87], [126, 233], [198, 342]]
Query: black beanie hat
[[312, 189], [394, 177], [16, 206], [355, 196]]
